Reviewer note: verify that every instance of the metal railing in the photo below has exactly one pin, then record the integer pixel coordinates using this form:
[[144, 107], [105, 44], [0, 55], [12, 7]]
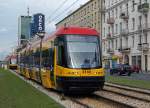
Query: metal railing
[[144, 27], [111, 20], [124, 15], [110, 50], [124, 32], [109, 36], [124, 49], [143, 46]]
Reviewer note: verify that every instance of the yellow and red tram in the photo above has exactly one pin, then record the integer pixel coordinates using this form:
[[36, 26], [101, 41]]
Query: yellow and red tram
[[12, 62], [71, 60]]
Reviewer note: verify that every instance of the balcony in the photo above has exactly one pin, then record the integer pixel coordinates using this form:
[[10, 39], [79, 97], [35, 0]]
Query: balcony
[[143, 27], [143, 8], [124, 15], [124, 32], [124, 49], [109, 36], [110, 20], [110, 50], [144, 47], [139, 47]]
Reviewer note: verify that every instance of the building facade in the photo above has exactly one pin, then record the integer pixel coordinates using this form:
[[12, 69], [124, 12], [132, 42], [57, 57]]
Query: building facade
[[126, 32], [88, 15], [23, 28]]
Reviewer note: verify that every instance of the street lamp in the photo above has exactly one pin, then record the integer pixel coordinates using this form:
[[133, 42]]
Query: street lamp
[[41, 36]]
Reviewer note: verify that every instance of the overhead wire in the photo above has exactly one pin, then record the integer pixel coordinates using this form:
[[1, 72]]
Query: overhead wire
[[61, 13], [57, 9]]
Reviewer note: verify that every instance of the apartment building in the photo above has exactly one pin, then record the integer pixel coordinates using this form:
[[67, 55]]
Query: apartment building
[[126, 32], [88, 15]]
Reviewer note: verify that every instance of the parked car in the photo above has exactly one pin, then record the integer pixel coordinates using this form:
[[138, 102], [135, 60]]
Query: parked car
[[136, 68], [115, 69], [121, 69]]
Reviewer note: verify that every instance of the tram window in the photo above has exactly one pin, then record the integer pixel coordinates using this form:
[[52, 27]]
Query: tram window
[[51, 57], [61, 56], [45, 58], [36, 58]]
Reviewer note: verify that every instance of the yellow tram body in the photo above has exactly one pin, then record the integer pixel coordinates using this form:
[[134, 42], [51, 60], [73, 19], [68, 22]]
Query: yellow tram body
[[56, 75]]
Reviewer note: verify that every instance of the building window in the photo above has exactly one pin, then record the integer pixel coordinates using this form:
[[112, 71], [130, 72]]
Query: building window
[[104, 46], [133, 60], [126, 42], [146, 21], [112, 42], [133, 23], [133, 41], [120, 42], [104, 17], [112, 29], [120, 27], [127, 25], [109, 45], [120, 9], [140, 20], [113, 13], [116, 44], [140, 1], [108, 14], [133, 5], [116, 28], [104, 33], [127, 7], [140, 38], [145, 39], [108, 29], [116, 12]]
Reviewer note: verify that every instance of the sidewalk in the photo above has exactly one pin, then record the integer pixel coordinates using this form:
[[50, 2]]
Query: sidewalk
[[15, 93], [140, 76]]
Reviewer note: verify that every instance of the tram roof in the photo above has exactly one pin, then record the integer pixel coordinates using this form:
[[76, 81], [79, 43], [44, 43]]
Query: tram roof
[[76, 31], [64, 31]]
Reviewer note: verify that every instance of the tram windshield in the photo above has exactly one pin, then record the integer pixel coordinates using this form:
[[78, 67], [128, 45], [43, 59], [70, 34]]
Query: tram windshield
[[83, 51], [13, 61]]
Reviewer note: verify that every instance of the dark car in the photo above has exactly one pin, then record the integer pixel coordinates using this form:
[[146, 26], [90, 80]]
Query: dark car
[[136, 68], [121, 69], [115, 69]]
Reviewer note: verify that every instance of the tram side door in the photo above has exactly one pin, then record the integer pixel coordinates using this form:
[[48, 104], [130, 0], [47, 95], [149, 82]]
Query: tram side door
[[52, 65]]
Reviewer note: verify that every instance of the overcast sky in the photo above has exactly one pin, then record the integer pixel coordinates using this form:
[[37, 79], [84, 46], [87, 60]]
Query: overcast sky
[[10, 10]]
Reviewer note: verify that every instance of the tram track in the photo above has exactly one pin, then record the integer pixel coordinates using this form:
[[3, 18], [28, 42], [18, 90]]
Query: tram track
[[88, 101], [133, 97]]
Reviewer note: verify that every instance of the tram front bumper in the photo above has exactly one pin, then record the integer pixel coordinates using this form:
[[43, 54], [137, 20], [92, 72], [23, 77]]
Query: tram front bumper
[[80, 83]]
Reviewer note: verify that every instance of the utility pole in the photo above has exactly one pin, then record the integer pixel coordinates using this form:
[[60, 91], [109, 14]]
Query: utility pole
[[28, 11], [41, 36]]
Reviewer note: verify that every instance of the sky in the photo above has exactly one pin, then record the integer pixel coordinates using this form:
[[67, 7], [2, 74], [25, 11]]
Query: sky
[[10, 10]]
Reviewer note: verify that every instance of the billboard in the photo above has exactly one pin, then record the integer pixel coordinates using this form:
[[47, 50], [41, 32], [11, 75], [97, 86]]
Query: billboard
[[39, 22]]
